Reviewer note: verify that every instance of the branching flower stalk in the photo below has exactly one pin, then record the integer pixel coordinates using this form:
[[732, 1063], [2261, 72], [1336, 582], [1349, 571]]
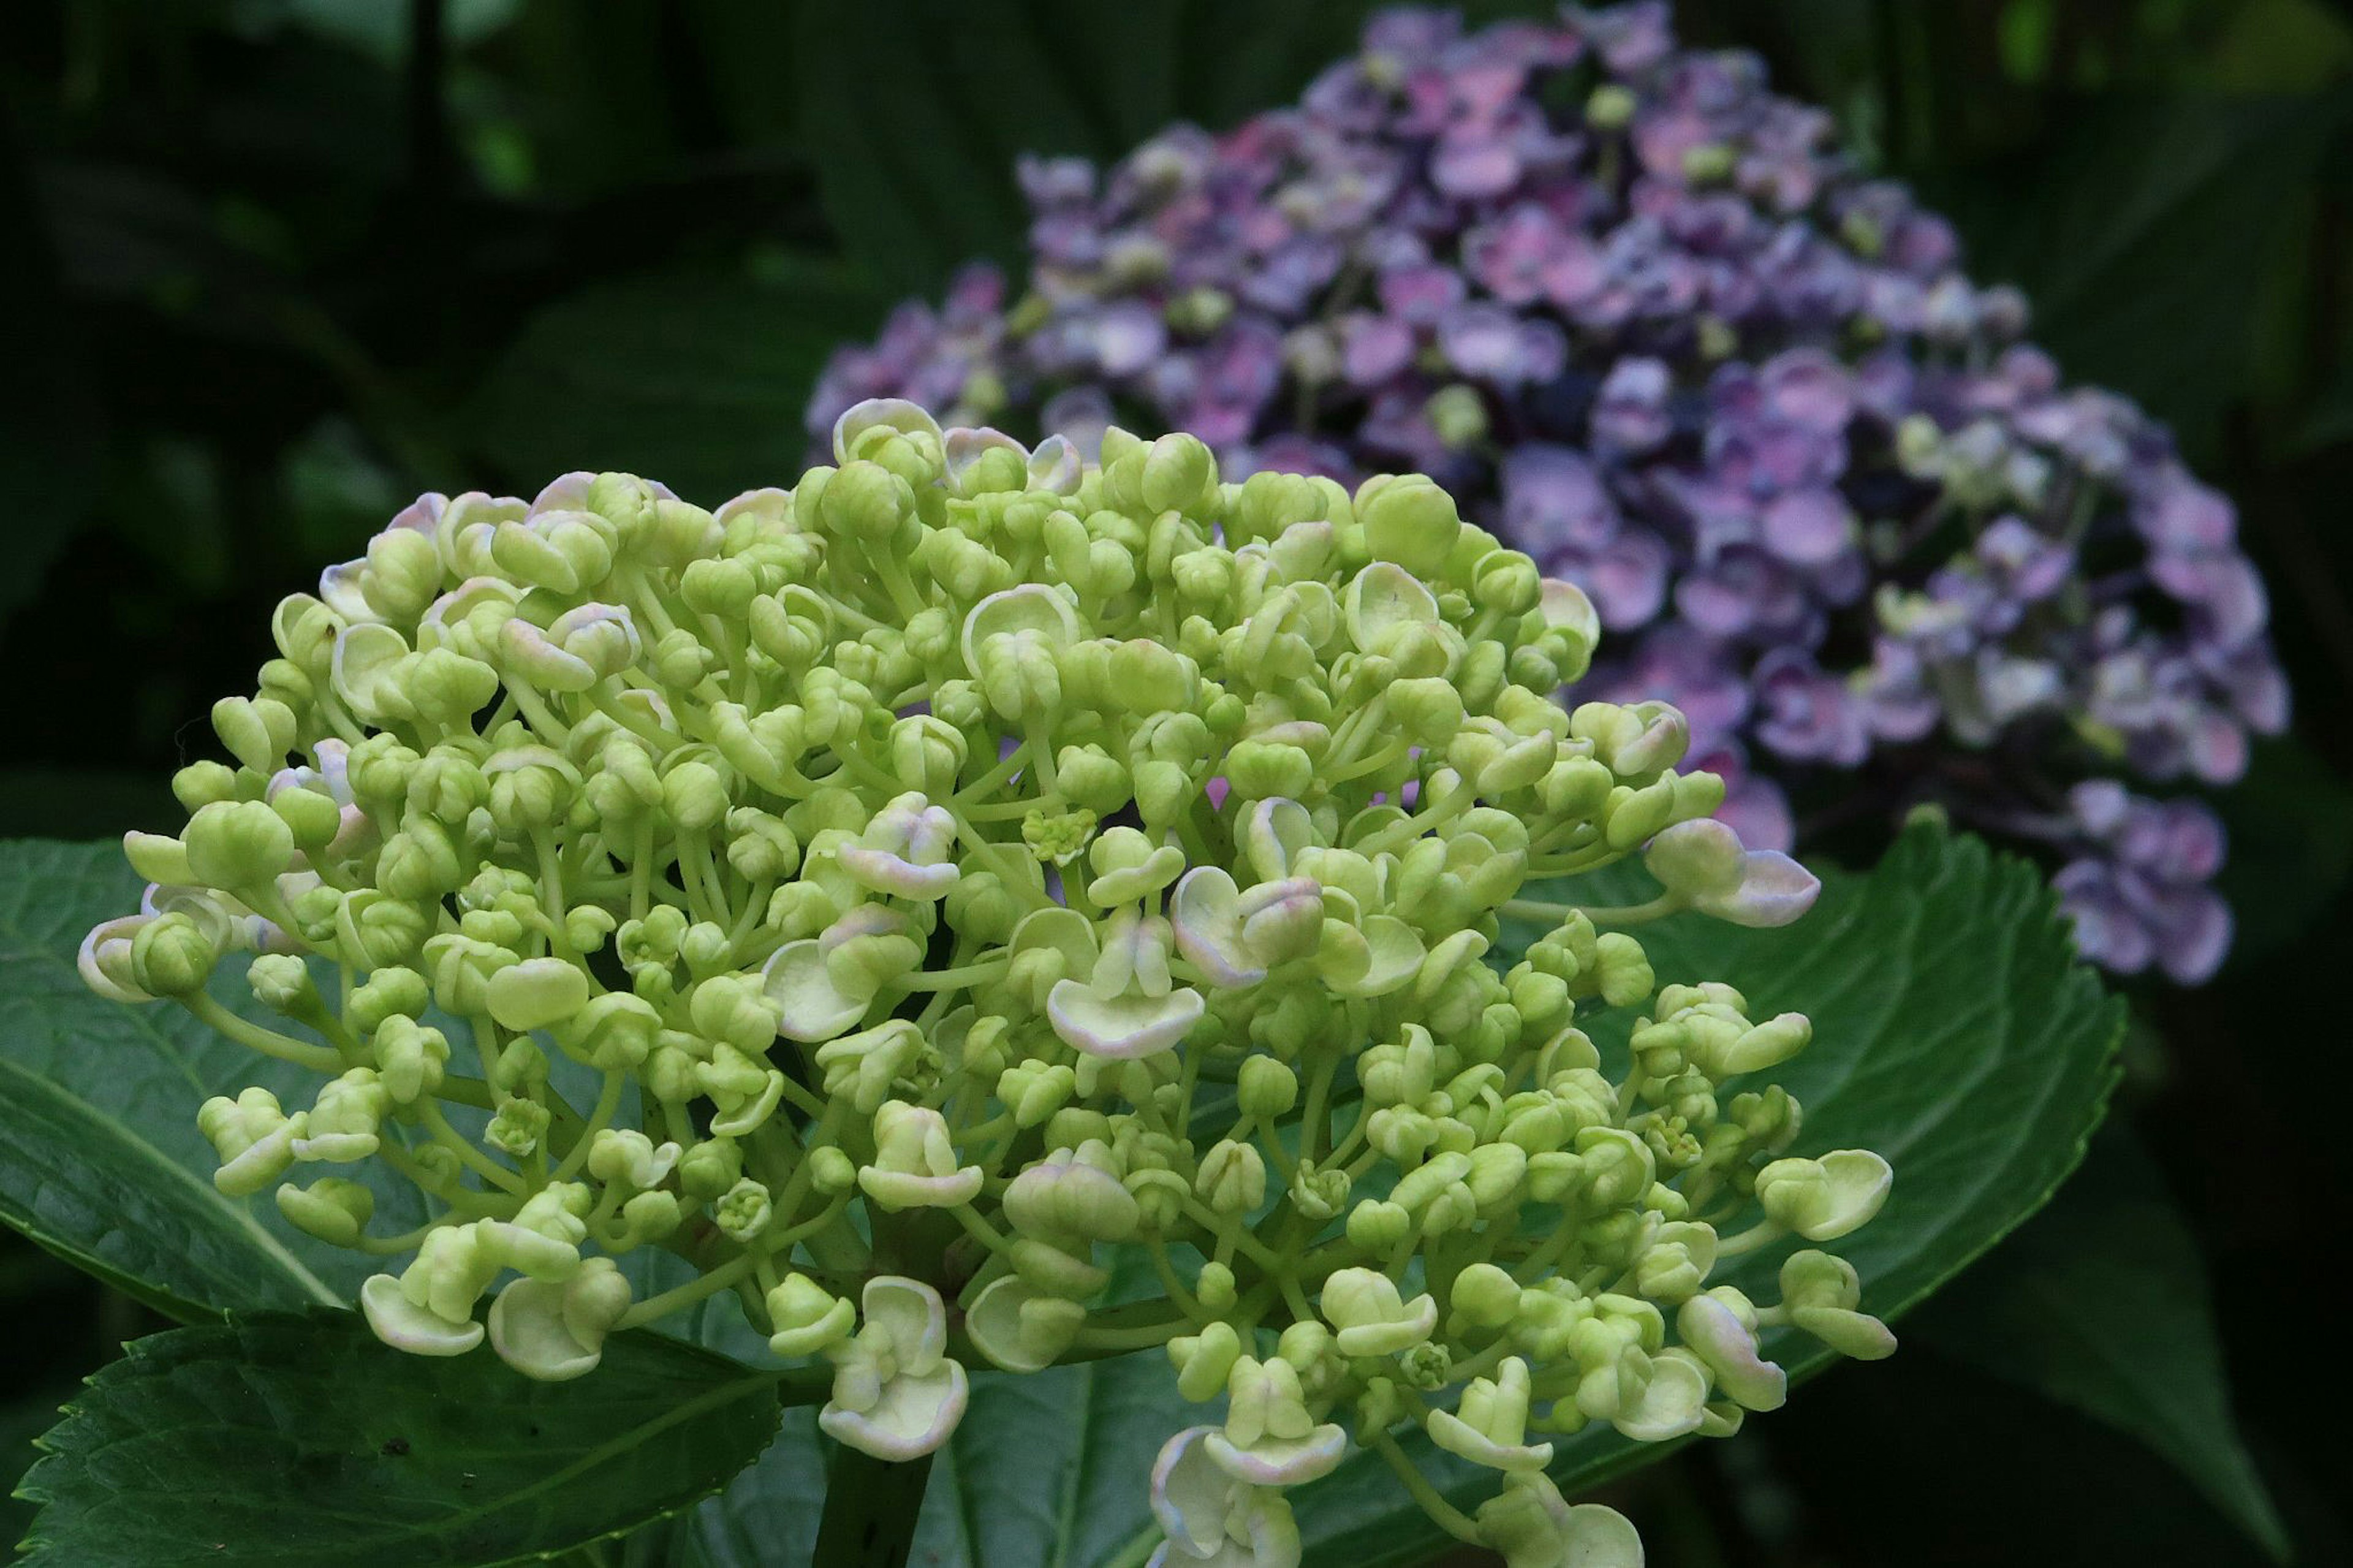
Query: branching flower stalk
[[893, 893]]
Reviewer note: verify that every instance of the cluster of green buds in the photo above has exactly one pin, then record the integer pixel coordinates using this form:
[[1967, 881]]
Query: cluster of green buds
[[890, 893]]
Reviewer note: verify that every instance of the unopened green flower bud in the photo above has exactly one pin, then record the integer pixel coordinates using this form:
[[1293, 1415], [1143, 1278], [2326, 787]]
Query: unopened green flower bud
[[281, 982], [743, 1211], [172, 956], [238, 844], [1371, 1317], [259, 733], [1410, 521], [410, 1057], [831, 1171], [1233, 1179], [200, 785], [806, 1319], [537, 992], [254, 1138], [1821, 1294], [330, 1208], [1621, 969], [1205, 1361], [1824, 1199], [1267, 1088], [517, 1127]]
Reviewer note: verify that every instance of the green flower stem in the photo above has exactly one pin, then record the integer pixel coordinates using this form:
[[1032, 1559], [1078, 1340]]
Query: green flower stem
[[969, 975], [981, 1231], [312, 1012], [1764, 1233], [871, 1508], [461, 1199], [1232, 1235], [1167, 1270], [1119, 1341], [473, 1158], [987, 783], [386, 1246], [1538, 1263], [542, 717], [608, 1105], [693, 1290], [747, 923], [1449, 1518], [1399, 834], [268, 1042], [1600, 915]]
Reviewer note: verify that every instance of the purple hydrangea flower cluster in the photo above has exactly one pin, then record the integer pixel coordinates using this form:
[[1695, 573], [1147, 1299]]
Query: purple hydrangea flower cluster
[[1656, 329]]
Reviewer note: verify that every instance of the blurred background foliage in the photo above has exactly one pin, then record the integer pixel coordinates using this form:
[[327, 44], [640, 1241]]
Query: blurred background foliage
[[274, 266]]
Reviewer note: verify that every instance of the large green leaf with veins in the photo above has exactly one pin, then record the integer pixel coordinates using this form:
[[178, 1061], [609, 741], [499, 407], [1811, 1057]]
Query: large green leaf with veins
[[100, 1157], [284, 1442]]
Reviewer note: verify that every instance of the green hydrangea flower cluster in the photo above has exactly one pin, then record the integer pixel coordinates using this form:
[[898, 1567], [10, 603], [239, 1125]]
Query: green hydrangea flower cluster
[[969, 860]]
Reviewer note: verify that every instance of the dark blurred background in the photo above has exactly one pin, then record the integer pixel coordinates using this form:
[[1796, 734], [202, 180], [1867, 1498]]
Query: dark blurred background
[[272, 267]]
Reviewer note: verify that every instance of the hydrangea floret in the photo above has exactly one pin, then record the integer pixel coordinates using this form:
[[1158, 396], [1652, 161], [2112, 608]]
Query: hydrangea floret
[[890, 894], [1648, 321]]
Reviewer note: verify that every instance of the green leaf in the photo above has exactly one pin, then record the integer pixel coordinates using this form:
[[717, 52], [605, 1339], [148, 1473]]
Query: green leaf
[[22, 1421], [293, 1441], [100, 1157], [85, 1186], [2101, 1302], [694, 378]]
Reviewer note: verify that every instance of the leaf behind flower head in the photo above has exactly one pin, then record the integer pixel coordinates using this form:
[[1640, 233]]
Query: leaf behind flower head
[[285, 1440], [101, 1161]]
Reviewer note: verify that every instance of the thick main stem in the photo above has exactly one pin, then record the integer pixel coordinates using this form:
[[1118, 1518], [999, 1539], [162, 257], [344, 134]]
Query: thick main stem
[[871, 1506]]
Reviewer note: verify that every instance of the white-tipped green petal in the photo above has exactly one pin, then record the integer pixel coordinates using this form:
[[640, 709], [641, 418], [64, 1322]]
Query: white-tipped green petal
[[1714, 1331], [103, 959], [1204, 912], [1019, 1329], [913, 1314], [915, 1413], [962, 449], [898, 1190], [405, 1326], [1671, 1403], [339, 590], [529, 1333], [1056, 465], [1274, 830], [1032, 606], [1125, 1027], [1459, 1437], [1191, 1493], [810, 1007], [1859, 1183], [365, 657], [1381, 600], [1534, 1527], [891, 413], [1395, 954], [1280, 1461]]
